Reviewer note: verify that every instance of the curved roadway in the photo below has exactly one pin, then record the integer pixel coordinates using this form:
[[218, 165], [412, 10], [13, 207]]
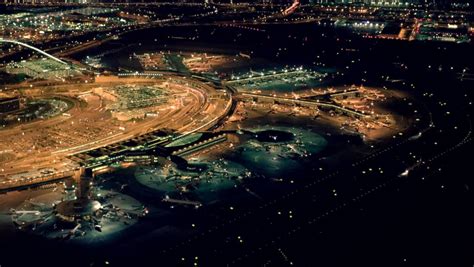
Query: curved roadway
[[209, 106], [33, 48]]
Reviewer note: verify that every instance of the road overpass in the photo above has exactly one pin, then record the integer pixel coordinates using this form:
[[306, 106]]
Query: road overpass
[[8, 41]]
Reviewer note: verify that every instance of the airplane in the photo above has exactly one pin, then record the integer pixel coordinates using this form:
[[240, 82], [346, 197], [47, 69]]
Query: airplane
[[405, 173], [196, 204], [415, 136], [73, 232], [290, 10], [35, 212]]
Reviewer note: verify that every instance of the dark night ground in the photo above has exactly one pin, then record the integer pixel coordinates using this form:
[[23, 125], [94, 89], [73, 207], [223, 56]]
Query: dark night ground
[[417, 224], [409, 223]]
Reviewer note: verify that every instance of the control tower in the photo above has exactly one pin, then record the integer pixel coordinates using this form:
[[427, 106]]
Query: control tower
[[83, 207]]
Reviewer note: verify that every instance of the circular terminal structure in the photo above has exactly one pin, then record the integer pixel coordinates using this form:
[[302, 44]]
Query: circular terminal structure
[[78, 209], [78, 118], [273, 151]]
